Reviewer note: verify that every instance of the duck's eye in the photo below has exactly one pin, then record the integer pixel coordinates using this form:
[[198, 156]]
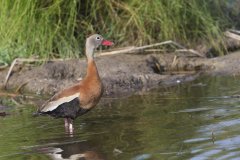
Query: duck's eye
[[97, 38]]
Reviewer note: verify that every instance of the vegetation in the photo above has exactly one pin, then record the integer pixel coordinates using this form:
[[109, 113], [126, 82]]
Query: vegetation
[[57, 28]]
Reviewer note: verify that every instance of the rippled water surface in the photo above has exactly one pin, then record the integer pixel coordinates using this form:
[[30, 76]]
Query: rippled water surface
[[199, 120]]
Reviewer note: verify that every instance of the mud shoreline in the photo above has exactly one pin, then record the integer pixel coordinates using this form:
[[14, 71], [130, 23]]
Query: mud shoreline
[[122, 74]]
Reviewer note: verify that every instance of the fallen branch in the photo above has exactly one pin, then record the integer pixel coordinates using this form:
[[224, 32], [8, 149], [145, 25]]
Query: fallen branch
[[9, 73], [134, 49], [15, 102], [155, 50], [190, 51], [174, 63], [20, 87], [126, 50]]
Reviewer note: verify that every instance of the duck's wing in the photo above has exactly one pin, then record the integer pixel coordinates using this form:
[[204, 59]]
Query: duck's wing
[[64, 96]]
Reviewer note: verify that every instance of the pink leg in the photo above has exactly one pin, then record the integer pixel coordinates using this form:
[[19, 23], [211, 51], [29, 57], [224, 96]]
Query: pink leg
[[66, 124], [70, 127]]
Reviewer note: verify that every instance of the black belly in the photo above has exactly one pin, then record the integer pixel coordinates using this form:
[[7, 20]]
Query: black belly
[[70, 109]]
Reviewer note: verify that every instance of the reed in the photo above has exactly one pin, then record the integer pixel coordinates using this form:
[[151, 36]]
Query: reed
[[58, 28]]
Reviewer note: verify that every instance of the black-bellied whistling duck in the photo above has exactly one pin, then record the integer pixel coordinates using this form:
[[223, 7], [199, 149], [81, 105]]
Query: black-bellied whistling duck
[[82, 97]]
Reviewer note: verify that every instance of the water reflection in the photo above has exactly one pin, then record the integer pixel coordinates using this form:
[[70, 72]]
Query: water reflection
[[71, 151]]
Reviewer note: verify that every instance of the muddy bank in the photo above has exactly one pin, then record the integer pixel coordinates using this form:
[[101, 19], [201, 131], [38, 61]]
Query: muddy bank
[[121, 74]]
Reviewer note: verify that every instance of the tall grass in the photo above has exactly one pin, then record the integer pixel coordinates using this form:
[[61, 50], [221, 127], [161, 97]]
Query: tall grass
[[57, 28], [37, 28]]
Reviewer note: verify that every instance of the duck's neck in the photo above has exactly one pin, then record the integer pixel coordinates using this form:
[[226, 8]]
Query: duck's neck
[[89, 51], [92, 71]]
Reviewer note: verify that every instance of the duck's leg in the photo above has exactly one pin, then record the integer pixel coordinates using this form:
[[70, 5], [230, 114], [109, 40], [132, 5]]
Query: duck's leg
[[66, 124], [70, 126]]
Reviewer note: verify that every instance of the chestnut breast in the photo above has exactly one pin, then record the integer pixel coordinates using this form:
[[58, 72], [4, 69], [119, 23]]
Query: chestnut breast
[[91, 91], [91, 88]]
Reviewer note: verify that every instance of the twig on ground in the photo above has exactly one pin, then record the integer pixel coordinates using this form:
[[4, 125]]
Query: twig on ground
[[160, 44], [9, 72], [174, 62], [21, 86], [155, 50], [125, 50], [15, 102], [190, 51]]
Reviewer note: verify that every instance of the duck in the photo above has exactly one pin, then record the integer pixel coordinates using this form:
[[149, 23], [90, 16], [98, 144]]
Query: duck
[[79, 98]]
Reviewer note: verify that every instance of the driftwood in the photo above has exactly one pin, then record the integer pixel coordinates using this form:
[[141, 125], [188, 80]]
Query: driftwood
[[233, 35]]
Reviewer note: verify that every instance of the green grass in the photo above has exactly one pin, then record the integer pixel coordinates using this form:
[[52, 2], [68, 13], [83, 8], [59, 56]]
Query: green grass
[[58, 28]]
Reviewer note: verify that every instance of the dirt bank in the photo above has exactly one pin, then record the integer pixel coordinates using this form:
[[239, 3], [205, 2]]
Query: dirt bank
[[121, 74]]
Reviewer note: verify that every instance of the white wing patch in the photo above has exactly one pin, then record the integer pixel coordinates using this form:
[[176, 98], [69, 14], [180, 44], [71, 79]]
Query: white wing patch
[[54, 104]]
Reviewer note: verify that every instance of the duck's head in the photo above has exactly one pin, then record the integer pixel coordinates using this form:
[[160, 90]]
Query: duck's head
[[96, 40], [93, 42]]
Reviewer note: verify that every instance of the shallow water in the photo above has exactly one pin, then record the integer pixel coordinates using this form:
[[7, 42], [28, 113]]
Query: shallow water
[[198, 120]]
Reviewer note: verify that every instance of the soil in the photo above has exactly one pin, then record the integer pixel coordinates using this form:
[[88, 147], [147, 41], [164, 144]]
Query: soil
[[121, 74]]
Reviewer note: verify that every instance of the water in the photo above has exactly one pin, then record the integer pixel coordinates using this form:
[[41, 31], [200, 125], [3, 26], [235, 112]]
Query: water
[[199, 120]]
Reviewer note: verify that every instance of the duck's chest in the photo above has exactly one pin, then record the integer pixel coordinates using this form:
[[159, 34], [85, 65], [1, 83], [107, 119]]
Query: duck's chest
[[91, 95]]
